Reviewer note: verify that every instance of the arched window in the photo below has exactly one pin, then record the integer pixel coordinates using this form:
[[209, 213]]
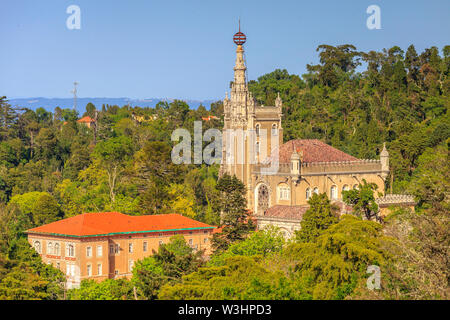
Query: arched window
[[257, 127], [274, 129], [49, 248], [356, 187], [284, 192], [333, 193], [37, 246], [308, 193], [345, 187], [316, 190], [70, 250], [57, 249]]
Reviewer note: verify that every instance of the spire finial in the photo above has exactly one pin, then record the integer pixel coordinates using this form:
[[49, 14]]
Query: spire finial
[[239, 38]]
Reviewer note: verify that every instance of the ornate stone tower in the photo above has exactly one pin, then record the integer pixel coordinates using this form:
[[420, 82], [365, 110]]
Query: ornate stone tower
[[239, 110], [248, 127]]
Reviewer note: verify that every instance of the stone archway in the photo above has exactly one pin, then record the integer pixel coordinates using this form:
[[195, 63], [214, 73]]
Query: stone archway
[[262, 198]]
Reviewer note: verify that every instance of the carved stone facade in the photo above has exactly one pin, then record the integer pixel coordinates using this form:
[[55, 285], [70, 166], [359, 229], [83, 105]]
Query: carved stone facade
[[305, 166]]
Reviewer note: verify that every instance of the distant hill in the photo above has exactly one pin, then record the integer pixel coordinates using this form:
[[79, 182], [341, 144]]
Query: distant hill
[[51, 103]]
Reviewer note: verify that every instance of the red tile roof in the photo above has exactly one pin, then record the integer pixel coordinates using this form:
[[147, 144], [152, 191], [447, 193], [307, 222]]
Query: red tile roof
[[286, 212], [313, 151], [107, 223], [86, 119]]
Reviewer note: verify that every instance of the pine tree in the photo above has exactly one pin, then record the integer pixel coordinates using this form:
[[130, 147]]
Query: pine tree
[[235, 223], [320, 216]]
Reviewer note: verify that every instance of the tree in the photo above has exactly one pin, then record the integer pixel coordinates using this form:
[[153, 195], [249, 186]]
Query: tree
[[362, 200], [264, 243], [109, 289], [40, 207], [236, 222], [320, 216], [168, 265], [46, 210], [8, 117], [240, 278], [332, 266], [113, 155]]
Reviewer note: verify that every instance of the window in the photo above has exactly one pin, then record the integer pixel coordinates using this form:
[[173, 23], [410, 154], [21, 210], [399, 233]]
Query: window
[[274, 129], [88, 251], [356, 187], [345, 188], [58, 265], [99, 251], [70, 270], [130, 265], [116, 272], [111, 249], [316, 190], [70, 250], [191, 242], [205, 240], [161, 242], [116, 249], [257, 129], [89, 270], [308, 193], [284, 192], [57, 249], [160, 234], [50, 248], [130, 247], [333, 193], [99, 269], [145, 246]]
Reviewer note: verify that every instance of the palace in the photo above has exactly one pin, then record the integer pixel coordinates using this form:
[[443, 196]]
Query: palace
[[304, 166], [106, 245]]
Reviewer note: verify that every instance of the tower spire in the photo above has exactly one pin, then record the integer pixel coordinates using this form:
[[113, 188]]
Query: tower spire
[[239, 68]]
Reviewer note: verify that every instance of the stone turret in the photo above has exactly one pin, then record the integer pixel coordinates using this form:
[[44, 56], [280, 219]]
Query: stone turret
[[295, 163], [384, 159]]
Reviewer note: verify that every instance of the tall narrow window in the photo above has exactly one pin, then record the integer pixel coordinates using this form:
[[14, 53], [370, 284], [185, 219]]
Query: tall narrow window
[[145, 246], [274, 129], [130, 247], [99, 269], [89, 252], [116, 249], [130, 265], [111, 249], [37, 246], [70, 250], [308, 193], [333, 193], [50, 248], [89, 270], [257, 127], [316, 190], [57, 249], [99, 251]]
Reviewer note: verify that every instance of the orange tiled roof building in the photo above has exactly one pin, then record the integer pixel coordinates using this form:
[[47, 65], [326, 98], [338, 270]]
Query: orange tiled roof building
[[106, 245], [87, 121], [306, 166]]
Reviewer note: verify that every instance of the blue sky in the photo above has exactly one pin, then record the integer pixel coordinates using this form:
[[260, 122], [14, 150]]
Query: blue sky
[[184, 49]]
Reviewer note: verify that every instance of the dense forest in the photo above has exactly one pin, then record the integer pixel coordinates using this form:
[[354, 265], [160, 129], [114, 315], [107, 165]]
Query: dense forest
[[52, 167]]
